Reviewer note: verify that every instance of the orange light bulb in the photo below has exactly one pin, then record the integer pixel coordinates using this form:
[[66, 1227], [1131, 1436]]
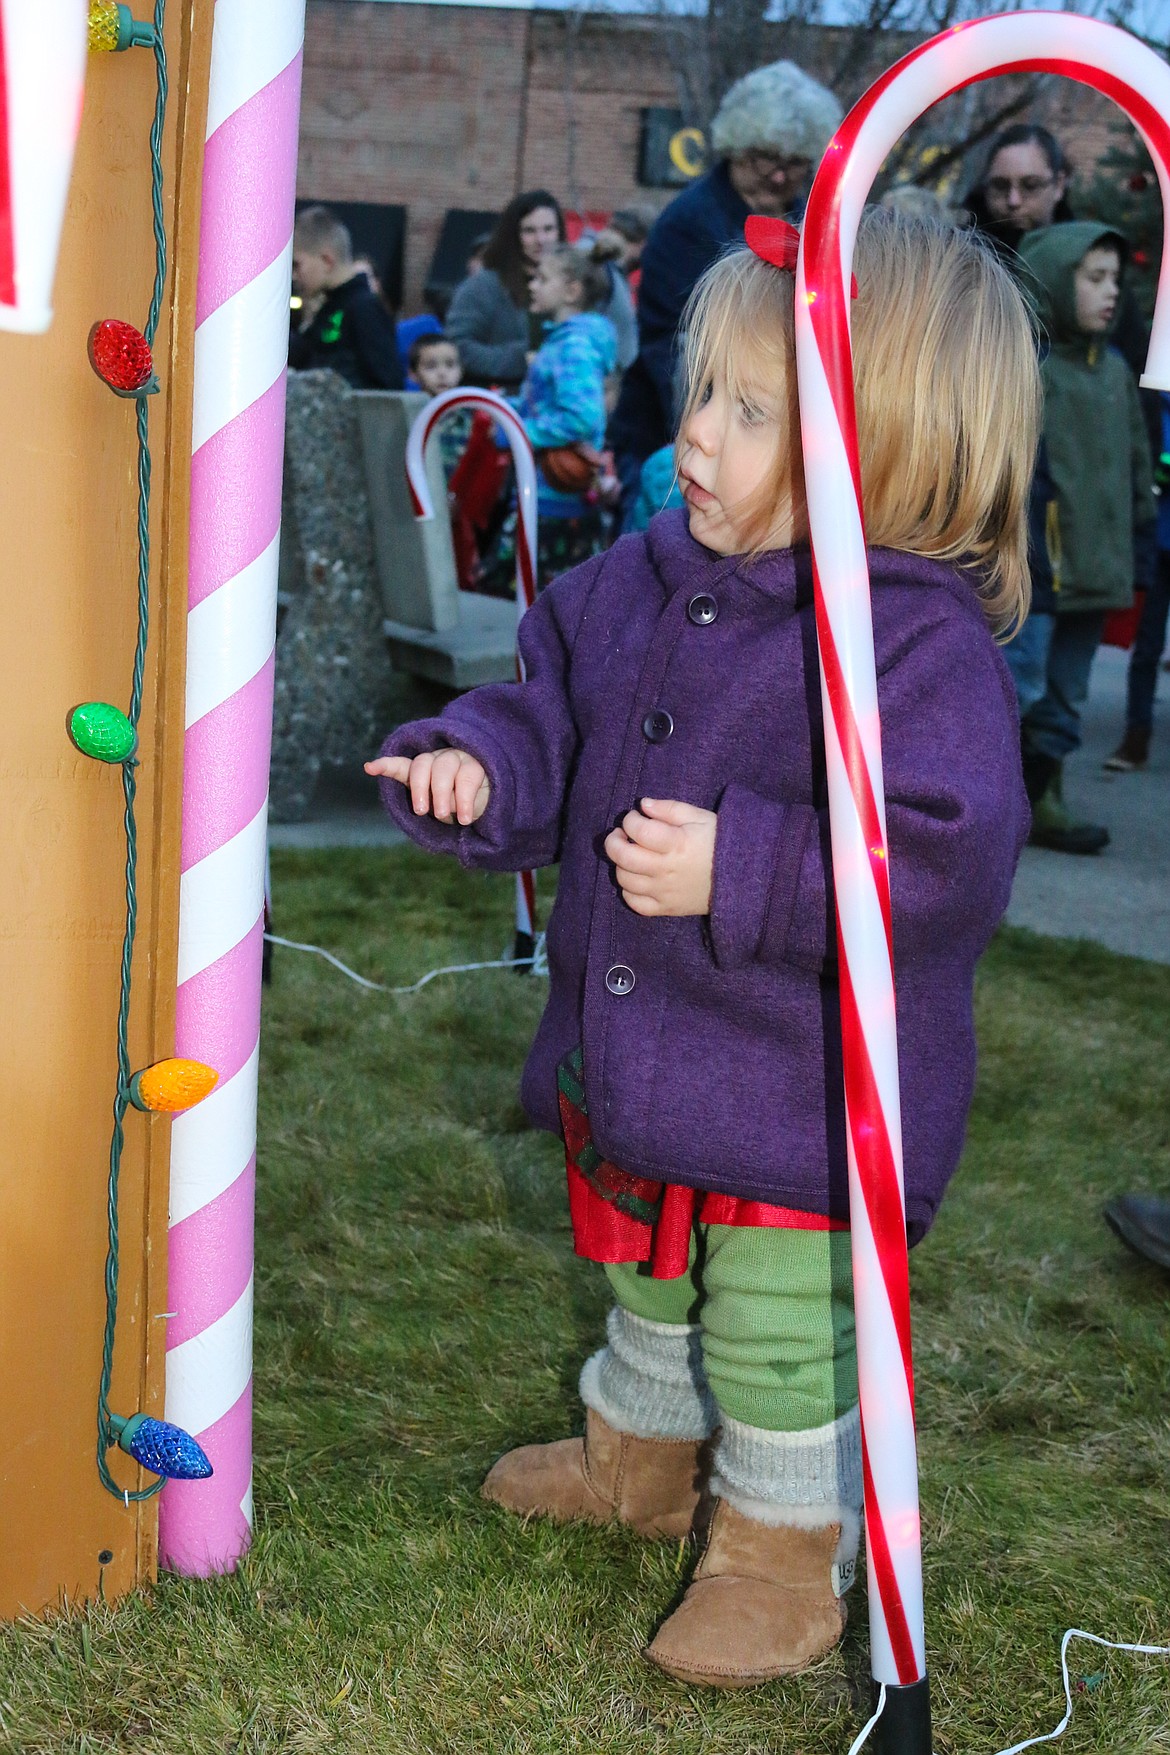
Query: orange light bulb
[[170, 1086]]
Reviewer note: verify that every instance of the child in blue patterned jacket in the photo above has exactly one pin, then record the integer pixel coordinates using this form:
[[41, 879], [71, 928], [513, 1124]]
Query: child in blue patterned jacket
[[562, 404]]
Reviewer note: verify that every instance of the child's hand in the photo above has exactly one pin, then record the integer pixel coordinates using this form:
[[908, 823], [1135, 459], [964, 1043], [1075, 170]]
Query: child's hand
[[664, 856], [448, 784]]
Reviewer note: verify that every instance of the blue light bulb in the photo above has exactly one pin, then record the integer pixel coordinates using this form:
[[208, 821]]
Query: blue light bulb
[[162, 1448]]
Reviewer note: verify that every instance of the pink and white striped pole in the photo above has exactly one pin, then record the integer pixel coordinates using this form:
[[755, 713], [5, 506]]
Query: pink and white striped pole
[[241, 347], [425, 423], [1135, 78]]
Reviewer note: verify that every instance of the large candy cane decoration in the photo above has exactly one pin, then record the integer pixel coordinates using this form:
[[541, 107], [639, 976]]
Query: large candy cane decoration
[[42, 75], [424, 425], [1120, 67], [241, 344]]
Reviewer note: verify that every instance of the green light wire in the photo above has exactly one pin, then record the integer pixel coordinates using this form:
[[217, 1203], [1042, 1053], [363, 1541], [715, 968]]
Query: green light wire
[[105, 1434]]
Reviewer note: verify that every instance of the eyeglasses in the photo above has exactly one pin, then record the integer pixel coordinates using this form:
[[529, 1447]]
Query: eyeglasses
[[1003, 186], [771, 164]]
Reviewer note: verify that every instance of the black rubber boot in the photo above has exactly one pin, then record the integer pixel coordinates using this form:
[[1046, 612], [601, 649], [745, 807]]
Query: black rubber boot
[[1054, 828], [1143, 1222], [1039, 772]]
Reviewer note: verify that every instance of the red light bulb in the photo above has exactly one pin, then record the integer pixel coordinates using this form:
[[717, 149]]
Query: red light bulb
[[120, 355]]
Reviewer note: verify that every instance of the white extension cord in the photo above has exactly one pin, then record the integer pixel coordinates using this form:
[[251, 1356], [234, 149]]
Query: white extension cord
[[1049, 1736], [537, 961]]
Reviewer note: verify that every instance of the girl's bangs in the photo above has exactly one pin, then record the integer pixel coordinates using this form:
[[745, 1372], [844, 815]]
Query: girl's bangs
[[739, 328]]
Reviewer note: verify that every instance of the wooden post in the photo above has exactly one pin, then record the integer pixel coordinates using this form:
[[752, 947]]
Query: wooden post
[[67, 621]]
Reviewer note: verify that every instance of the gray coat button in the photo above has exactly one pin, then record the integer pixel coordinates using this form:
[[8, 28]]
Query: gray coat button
[[619, 979], [657, 726], [703, 609]]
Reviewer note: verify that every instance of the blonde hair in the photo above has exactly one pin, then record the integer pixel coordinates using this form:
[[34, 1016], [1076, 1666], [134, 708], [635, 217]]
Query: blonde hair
[[947, 394], [584, 265]]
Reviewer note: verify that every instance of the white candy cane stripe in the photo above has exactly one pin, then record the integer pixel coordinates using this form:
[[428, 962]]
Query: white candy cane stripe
[[524, 462], [888, 1431], [207, 1375], [1125, 70], [241, 349], [863, 939], [523, 459], [230, 635], [212, 1144], [254, 41], [42, 75], [221, 898]]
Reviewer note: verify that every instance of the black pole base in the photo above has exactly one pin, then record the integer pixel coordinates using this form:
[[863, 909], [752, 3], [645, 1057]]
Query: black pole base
[[523, 951], [904, 1727]]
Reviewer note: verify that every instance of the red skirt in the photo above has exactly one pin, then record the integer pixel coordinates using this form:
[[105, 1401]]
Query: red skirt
[[621, 1217]]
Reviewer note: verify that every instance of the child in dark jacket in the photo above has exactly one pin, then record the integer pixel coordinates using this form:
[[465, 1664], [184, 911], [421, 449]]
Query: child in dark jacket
[[1099, 495], [351, 332], [667, 748]]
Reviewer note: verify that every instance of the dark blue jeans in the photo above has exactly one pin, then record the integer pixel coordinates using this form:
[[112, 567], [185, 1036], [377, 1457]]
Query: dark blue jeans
[[1053, 725], [1147, 649], [1026, 654]]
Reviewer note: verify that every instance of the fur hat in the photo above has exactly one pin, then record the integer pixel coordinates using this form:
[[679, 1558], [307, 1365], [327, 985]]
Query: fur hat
[[778, 108]]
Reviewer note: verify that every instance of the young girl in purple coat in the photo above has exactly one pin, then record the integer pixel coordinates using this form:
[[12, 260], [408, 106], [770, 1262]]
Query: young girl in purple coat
[[667, 749]]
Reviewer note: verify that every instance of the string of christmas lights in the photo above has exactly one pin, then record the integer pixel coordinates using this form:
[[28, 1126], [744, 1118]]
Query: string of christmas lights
[[121, 355]]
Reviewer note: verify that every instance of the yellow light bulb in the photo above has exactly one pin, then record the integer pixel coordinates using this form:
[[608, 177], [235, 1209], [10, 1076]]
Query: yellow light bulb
[[104, 31], [113, 27], [170, 1086]]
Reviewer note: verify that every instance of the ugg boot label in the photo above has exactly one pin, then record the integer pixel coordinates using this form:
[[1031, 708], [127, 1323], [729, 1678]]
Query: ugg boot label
[[843, 1575]]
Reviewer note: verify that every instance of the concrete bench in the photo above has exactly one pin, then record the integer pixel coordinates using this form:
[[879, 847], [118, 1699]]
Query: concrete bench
[[432, 629]]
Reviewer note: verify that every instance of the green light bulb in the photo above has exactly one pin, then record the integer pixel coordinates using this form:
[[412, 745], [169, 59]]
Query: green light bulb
[[102, 731]]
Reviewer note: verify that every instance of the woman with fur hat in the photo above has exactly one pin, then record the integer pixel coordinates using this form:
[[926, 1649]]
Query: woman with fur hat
[[767, 137]]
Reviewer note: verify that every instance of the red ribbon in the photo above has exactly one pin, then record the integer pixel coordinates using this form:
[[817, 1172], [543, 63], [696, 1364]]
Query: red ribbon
[[772, 240], [777, 242]]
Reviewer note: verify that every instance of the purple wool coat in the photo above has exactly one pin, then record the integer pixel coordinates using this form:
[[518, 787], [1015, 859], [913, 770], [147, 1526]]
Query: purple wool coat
[[713, 1045]]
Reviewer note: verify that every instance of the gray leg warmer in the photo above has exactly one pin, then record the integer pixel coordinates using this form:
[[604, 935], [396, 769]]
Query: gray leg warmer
[[649, 1380], [807, 1479]]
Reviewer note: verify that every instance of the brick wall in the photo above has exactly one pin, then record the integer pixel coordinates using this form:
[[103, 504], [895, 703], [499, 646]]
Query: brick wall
[[435, 107], [582, 132], [418, 105]]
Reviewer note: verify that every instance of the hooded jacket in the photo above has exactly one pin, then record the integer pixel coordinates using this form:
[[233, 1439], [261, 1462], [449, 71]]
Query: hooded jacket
[[1101, 484], [562, 400], [712, 1045]]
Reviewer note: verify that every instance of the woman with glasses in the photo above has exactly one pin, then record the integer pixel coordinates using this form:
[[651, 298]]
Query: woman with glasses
[[1023, 187]]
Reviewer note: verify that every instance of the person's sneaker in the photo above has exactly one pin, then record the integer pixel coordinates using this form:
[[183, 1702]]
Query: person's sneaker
[[1054, 828], [1132, 752]]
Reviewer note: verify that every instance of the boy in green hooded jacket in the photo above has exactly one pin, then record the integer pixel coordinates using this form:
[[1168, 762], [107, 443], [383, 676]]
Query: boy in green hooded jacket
[[1099, 492]]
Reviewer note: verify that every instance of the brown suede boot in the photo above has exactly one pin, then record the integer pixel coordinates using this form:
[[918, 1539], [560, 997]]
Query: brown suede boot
[[651, 1484], [761, 1604]]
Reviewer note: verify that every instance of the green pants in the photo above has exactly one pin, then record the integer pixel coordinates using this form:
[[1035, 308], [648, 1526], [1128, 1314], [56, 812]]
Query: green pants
[[775, 1312]]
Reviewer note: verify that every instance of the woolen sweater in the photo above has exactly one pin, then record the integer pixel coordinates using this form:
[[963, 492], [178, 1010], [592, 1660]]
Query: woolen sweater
[[491, 331], [712, 1045]]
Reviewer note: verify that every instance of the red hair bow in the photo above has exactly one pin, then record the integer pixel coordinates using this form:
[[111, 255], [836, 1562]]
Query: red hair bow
[[772, 240], [777, 242]]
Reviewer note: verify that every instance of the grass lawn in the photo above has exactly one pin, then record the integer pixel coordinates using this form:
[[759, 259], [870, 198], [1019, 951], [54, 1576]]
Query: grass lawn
[[419, 1310]]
